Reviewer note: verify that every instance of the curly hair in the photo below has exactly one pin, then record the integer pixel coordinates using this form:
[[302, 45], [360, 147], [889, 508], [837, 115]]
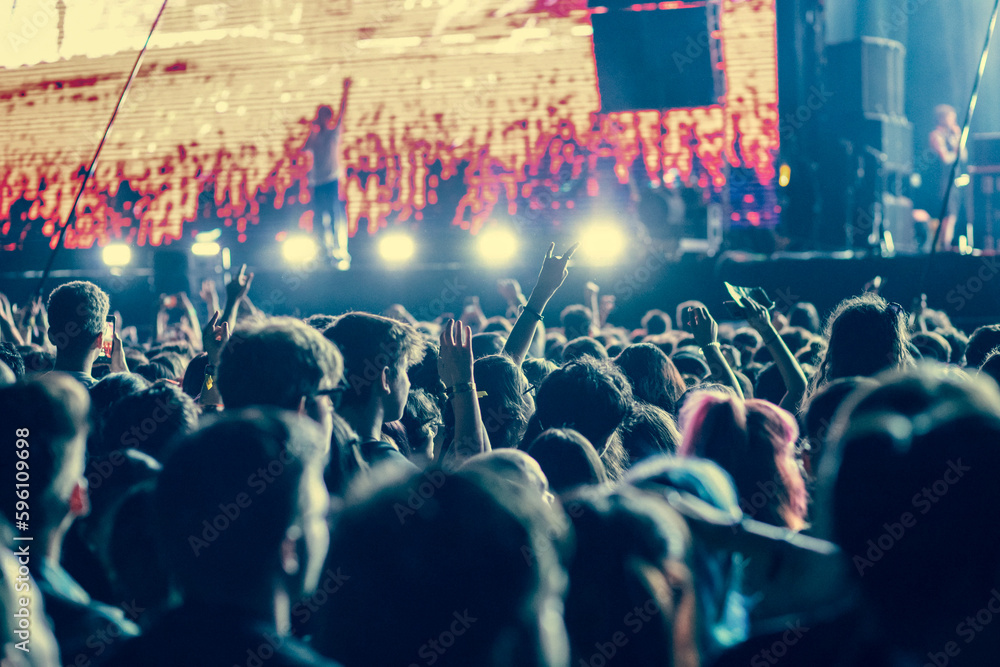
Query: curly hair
[[77, 311]]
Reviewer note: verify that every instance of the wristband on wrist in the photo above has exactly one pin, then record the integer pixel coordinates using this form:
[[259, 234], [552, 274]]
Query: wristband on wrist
[[528, 309], [715, 344], [460, 388]]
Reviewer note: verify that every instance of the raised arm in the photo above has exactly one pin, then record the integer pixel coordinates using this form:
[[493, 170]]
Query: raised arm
[[795, 381], [236, 289], [550, 278], [455, 369], [8, 327], [706, 334], [214, 337]]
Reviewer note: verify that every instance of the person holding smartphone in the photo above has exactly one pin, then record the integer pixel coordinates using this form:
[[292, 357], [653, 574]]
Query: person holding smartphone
[[80, 331]]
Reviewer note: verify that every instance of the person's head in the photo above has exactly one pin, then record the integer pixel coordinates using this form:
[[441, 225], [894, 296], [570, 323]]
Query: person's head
[[173, 362], [280, 362], [77, 311], [576, 321], [377, 353], [958, 342], [945, 115], [485, 344], [819, 414], [111, 388], [324, 115], [649, 431], [769, 384], [47, 419], [567, 459], [747, 341], [182, 349], [512, 466], [932, 346], [630, 571], [805, 315], [10, 356], [499, 325], [152, 372], [472, 560], [148, 420], [691, 365], [991, 367], [982, 342], [536, 370], [37, 360], [590, 396], [241, 507], [754, 441], [508, 404], [656, 322], [583, 347], [653, 376], [865, 335], [915, 460], [421, 423], [320, 322]]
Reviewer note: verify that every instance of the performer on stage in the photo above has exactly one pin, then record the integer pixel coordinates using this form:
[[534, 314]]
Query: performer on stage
[[944, 140], [324, 179]]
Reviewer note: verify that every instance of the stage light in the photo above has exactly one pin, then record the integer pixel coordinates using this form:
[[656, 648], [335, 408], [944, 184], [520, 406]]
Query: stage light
[[116, 254], [299, 249], [497, 245], [602, 243], [396, 247], [205, 248], [209, 236]]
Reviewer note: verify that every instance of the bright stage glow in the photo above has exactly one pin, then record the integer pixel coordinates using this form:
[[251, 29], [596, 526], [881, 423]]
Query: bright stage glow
[[299, 249], [497, 245], [116, 254], [205, 248], [602, 243], [396, 247]]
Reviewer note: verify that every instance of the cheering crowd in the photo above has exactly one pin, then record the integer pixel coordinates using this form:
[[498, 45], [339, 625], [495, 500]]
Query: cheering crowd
[[537, 488]]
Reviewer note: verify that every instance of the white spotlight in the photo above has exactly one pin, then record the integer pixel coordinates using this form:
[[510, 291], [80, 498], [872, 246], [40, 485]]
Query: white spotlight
[[116, 254], [205, 248], [396, 247], [299, 249], [602, 243], [497, 245]]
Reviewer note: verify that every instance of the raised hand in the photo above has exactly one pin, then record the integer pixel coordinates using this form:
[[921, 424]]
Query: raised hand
[[700, 322], [607, 305], [118, 362], [758, 317], [455, 357], [214, 338], [238, 287], [511, 292], [209, 294], [590, 291], [553, 272]]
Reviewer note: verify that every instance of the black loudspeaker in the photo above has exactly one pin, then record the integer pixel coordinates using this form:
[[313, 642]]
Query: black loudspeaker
[[655, 59], [171, 272], [897, 219], [892, 136], [878, 65]]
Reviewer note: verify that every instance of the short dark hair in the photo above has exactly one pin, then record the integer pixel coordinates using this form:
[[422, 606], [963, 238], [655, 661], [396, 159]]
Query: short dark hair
[[368, 344], [50, 413], [220, 465], [486, 344], [982, 342], [576, 320], [567, 459], [656, 322], [10, 356], [77, 311], [148, 420], [583, 346], [276, 363], [414, 572], [590, 396]]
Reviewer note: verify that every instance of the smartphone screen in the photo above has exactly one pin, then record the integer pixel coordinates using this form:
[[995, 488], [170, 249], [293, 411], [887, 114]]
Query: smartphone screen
[[108, 339]]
